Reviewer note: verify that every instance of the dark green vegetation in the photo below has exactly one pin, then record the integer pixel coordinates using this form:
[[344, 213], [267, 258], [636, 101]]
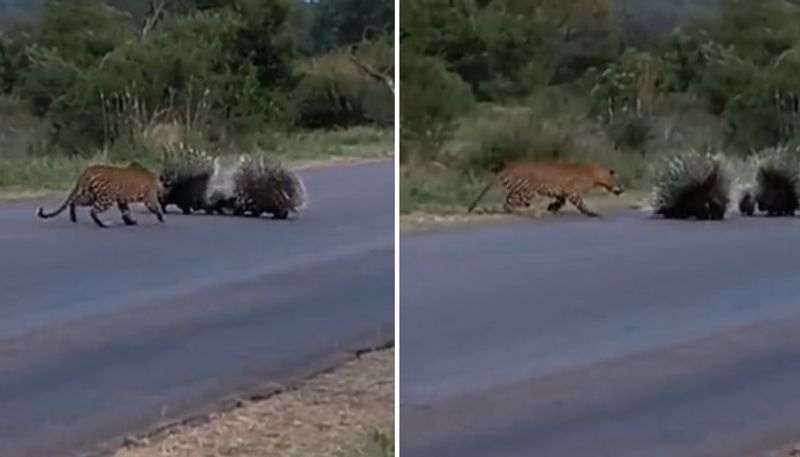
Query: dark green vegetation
[[622, 83], [380, 444], [116, 80]]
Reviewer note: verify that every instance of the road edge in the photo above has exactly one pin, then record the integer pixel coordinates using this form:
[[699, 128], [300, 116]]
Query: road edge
[[256, 393], [432, 221]]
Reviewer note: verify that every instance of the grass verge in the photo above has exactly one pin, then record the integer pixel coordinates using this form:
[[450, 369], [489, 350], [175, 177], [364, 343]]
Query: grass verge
[[440, 179], [489, 211], [27, 174], [435, 197], [348, 412]]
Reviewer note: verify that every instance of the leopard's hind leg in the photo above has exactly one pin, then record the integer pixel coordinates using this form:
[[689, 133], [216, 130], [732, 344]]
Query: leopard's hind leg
[[576, 200], [101, 205], [513, 200], [519, 195]]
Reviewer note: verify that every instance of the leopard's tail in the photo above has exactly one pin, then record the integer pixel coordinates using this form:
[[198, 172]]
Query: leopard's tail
[[40, 211], [479, 197]]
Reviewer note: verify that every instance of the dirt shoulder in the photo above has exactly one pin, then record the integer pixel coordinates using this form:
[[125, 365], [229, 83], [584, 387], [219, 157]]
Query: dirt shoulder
[[435, 220], [348, 412]]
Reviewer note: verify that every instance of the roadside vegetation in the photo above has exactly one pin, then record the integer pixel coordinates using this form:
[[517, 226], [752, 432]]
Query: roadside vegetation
[[620, 83], [110, 81]]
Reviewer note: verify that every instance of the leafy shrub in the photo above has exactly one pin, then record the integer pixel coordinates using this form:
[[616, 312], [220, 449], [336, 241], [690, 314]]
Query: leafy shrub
[[631, 132], [431, 99], [98, 78], [628, 86], [759, 30], [172, 75], [499, 55], [548, 127], [345, 22], [333, 92], [724, 77]]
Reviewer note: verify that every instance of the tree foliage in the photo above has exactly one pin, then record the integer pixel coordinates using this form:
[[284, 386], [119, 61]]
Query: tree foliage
[[101, 71], [737, 60], [346, 22]]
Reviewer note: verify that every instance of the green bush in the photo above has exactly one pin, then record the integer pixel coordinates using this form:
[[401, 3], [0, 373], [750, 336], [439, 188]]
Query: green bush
[[758, 30], [516, 138], [172, 75], [345, 22], [724, 77], [631, 132], [188, 70], [431, 99], [82, 32], [763, 110], [333, 92], [499, 55], [629, 86], [97, 78], [549, 127], [47, 78]]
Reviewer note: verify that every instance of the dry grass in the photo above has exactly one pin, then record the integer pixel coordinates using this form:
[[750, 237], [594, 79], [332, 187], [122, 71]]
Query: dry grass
[[28, 168], [348, 412]]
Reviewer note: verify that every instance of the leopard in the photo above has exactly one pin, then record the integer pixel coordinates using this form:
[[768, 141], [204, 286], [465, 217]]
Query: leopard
[[103, 186], [525, 179]]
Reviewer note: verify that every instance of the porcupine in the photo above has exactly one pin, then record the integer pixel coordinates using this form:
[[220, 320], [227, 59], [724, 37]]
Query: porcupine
[[691, 185]]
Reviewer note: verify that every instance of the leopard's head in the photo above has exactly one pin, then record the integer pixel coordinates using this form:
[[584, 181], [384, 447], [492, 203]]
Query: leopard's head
[[606, 178]]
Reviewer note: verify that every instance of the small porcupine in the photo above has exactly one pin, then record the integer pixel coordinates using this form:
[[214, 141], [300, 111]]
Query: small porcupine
[[691, 185], [185, 176], [776, 190], [265, 186]]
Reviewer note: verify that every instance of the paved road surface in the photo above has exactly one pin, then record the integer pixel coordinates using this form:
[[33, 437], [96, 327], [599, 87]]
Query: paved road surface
[[620, 337], [108, 332]]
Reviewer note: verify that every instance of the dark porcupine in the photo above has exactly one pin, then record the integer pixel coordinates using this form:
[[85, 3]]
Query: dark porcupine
[[777, 184], [184, 178], [691, 185], [264, 186]]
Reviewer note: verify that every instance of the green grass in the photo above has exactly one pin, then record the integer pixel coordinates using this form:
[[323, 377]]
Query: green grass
[[431, 190], [24, 166], [379, 444], [356, 142]]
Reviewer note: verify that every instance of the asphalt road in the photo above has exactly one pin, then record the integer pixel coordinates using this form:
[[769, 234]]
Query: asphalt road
[[625, 336], [105, 333]]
